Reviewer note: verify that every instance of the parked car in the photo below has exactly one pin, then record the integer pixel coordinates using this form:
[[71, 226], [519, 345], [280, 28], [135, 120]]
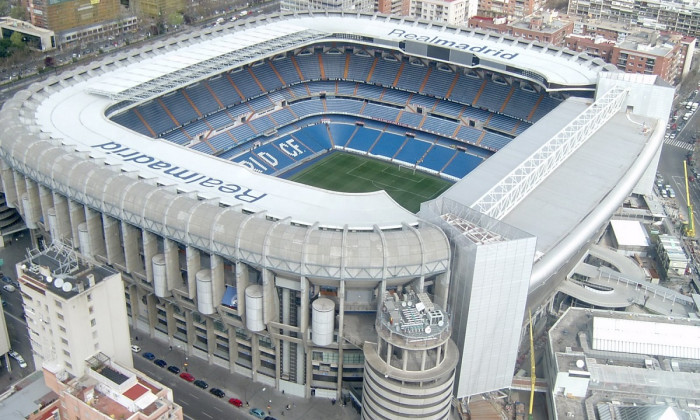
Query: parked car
[[235, 402], [187, 376], [217, 392], [135, 348], [160, 363], [174, 369], [269, 418], [6, 279], [201, 384], [149, 356], [9, 287], [18, 357], [257, 413]]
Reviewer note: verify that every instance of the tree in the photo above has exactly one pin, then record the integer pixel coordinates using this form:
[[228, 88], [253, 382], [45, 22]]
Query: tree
[[17, 40], [4, 8], [175, 19], [18, 12]]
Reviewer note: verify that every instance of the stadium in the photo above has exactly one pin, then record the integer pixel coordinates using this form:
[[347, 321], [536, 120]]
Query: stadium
[[337, 205]]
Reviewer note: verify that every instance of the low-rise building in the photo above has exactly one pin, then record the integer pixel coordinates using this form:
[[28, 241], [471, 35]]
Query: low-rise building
[[603, 363], [106, 390], [672, 257], [37, 38]]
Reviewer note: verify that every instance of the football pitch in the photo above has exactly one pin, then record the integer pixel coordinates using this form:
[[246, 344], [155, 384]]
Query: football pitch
[[345, 172]]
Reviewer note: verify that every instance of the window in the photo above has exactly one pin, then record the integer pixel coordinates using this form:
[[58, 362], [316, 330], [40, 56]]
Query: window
[[91, 309], [94, 335], [59, 316], [61, 328], [66, 352], [64, 341], [93, 322], [58, 304], [89, 297]]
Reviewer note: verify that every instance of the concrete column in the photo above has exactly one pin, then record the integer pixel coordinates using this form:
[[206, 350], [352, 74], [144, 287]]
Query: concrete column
[[285, 320], [309, 373], [93, 219], [152, 314], [33, 210], [46, 202], [277, 344], [211, 339], [242, 280], [63, 217], [216, 264], [254, 355], [20, 188], [135, 305], [76, 214], [232, 349], [189, 327], [115, 254], [301, 352], [341, 341], [172, 323], [172, 264], [193, 260], [130, 241], [304, 310], [270, 301], [7, 176], [150, 248], [442, 286]]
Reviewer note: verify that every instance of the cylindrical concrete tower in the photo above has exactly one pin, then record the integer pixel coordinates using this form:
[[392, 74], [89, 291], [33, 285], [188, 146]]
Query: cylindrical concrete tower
[[160, 280], [410, 371], [205, 298], [254, 308], [322, 321]]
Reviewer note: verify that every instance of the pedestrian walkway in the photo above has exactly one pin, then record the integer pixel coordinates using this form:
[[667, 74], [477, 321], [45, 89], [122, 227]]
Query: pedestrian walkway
[[678, 143]]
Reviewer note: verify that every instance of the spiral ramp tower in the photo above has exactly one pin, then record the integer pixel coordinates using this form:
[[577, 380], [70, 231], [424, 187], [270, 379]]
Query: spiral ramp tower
[[410, 371]]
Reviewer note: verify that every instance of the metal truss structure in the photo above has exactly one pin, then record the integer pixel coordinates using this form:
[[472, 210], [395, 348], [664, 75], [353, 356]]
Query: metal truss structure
[[504, 196], [210, 67]]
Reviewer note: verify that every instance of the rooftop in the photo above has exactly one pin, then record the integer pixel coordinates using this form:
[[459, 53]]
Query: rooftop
[[636, 373], [59, 270]]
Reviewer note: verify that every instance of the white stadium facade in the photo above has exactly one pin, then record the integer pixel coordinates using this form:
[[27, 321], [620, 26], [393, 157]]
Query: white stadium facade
[[162, 162]]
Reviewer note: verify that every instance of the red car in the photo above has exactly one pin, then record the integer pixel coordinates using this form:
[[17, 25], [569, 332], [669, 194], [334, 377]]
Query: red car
[[187, 376], [236, 402]]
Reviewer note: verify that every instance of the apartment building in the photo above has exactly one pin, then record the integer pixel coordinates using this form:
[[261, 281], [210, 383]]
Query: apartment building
[[668, 15], [73, 310]]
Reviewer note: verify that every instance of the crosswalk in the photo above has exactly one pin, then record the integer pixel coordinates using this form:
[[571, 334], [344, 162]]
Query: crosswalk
[[681, 144]]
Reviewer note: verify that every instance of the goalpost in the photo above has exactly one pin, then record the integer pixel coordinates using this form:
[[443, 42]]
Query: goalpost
[[409, 167]]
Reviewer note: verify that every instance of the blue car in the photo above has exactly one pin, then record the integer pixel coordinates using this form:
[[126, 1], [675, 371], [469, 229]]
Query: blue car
[[160, 363], [257, 413], [149, 356]]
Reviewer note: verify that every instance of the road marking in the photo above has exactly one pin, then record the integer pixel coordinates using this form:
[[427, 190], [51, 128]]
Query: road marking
[[193, 396], [677, 143], [218, 409], [207, 415], [183, 402]]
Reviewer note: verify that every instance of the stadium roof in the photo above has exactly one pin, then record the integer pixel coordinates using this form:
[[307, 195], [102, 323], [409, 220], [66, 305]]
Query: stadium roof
[[180, 65]]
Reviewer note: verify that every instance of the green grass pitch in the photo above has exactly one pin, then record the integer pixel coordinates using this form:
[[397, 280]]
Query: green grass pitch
[[346, 172]]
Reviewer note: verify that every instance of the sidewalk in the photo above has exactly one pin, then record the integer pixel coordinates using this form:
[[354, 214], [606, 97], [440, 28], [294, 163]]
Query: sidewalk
[[237, 386]]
